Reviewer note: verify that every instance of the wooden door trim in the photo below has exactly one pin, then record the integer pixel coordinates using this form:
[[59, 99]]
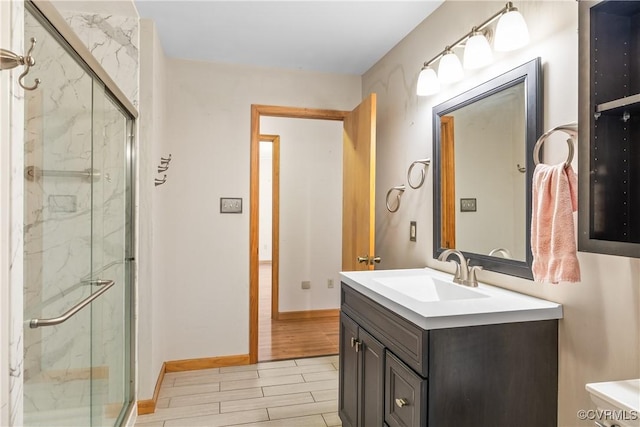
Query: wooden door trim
[[448, 190], [275, 224], [258, 111]]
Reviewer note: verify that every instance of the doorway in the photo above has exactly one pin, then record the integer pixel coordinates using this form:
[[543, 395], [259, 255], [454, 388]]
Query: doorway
[[358, 193], [301, 170]]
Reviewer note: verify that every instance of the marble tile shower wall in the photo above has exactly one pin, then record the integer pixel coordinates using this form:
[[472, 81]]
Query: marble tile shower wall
[[109, 239], [113, 40], [57, 246], [16, 125], [58, 226]]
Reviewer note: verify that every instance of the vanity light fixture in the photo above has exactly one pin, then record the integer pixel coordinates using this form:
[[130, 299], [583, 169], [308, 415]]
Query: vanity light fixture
[[511, 33], [428, 82], [450, 68], [477, 52]]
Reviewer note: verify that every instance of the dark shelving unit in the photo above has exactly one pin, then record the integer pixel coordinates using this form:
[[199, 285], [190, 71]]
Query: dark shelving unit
[[609, 213]]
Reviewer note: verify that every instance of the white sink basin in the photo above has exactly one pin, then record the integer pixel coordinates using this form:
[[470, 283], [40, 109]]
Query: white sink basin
[[429, 298], [428, 289], [618, 402]]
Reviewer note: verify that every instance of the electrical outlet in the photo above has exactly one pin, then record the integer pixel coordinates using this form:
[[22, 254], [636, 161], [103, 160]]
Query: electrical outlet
[[306, 284], [330, 283]]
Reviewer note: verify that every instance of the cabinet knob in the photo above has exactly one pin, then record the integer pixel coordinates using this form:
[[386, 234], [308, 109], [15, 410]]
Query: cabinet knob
[[402, 402], [363, 259]]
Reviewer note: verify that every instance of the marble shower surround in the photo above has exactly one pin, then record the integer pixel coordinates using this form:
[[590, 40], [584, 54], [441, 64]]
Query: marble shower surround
[[113, 40], [16, 131]]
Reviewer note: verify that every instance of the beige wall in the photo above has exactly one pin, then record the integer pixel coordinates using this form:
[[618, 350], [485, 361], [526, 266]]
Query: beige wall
[[600, 332], [202, 256], [150, 131]]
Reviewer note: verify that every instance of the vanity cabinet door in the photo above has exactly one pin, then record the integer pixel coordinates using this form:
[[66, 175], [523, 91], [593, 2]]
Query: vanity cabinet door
[[361, 391], [372, 380], [405, 395], [348, 372]]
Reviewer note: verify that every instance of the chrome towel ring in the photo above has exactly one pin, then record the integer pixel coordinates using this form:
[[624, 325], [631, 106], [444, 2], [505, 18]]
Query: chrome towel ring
[[400, 189], [423, 172], [571, 129]]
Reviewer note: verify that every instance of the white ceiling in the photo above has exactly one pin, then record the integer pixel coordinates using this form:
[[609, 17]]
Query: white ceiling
[[332, 36]]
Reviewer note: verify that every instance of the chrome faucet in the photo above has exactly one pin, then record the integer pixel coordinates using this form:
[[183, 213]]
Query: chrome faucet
[[464, 275]]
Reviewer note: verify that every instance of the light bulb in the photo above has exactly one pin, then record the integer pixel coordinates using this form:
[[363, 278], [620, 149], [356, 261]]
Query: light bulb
[[477, 52], [511, 32], [450, 68], [428, 82]]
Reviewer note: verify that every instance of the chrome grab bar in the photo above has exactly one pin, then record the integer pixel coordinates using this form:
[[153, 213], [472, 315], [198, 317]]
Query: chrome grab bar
[[37, 323], [32, 173], [85, 281]]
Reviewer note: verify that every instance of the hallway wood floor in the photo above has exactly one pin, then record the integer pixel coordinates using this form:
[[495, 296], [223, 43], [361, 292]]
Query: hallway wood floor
[[287, 339]]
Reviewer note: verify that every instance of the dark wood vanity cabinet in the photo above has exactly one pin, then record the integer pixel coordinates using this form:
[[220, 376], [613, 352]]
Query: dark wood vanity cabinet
[[395, 373], [609, 128], [361, 376]]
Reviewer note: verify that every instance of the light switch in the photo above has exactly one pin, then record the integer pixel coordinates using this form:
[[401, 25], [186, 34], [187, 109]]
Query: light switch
[[413, 231], [468, 205], [230, 205]]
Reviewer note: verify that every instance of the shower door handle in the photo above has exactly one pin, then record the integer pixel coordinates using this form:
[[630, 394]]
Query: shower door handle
[[37, 323]]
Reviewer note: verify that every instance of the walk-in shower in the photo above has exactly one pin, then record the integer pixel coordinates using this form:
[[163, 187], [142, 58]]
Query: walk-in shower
[[78, 240]]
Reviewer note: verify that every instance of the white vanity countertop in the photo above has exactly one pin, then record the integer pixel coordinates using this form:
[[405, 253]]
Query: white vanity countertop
[[623, 395], [491, 305]]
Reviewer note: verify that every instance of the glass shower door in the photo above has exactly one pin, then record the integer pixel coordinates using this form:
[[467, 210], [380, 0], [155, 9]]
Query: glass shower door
[[77, 304], [110, 325]]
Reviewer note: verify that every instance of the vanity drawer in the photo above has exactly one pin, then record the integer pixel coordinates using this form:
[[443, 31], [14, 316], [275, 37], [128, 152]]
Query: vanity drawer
[[402, 337], [405, 395]]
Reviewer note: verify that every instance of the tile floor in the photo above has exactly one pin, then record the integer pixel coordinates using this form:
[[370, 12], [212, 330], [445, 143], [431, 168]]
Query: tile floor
[[287, 393]]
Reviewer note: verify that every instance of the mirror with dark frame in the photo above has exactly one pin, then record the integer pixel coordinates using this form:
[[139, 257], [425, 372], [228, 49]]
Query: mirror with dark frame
[[483, 168]]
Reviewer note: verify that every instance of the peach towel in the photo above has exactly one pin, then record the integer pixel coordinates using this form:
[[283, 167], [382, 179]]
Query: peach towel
[[553, 240]]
